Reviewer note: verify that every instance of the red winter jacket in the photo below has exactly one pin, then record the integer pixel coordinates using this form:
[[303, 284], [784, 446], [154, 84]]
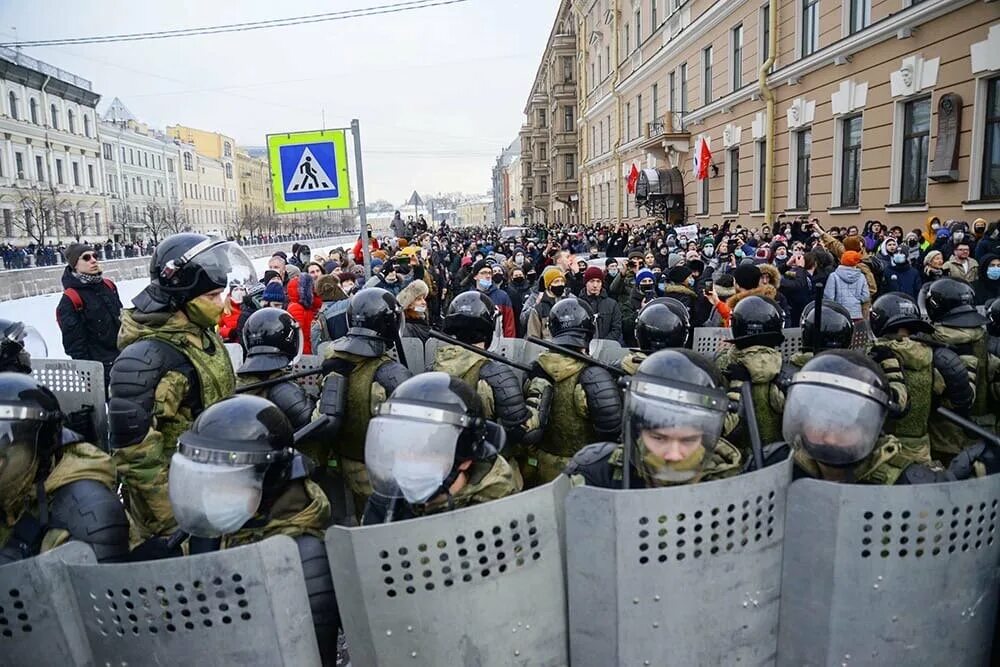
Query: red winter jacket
[[228, 328], [359, 257], [303, 304]]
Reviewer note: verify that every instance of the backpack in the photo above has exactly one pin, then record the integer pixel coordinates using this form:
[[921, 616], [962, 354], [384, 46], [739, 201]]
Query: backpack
[[74, 296]]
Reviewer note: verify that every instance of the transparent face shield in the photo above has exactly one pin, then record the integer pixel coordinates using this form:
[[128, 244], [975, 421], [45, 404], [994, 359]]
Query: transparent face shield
[[669, 430], [211, 500], [834, 426], [409, 457], [224, 264], [18, 454]]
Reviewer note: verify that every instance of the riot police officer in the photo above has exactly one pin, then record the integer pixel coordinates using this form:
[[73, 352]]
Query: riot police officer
[[236, 479], [172, 366], [835, 331], [993, 327], [17, 343], [753, 357], [586, 400], [431, 449], [273, 341], [661, 324], [364, 377], [675, 407], [921, 372], [54, 487], [957, 324], [471, 318], [832, 425]]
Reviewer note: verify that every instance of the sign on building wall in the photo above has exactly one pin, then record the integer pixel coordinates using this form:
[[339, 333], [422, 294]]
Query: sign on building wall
[[309, 171]]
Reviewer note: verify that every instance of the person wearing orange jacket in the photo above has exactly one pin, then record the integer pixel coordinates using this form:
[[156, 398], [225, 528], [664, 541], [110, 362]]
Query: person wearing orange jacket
[[230, 318], [303, 304]]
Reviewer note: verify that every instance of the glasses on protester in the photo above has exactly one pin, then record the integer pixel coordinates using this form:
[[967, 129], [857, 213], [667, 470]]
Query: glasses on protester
[[87, 256]]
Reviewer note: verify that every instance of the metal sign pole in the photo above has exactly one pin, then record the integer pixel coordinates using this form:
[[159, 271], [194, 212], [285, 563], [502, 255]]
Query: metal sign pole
[[362, 212]]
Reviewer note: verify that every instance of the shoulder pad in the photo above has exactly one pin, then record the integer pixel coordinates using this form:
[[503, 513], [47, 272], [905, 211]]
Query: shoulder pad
[[919, 473], [604, 399], [92, 513], [391, 374], [291, 398], [958, 388], [508, 398], [592, 453]]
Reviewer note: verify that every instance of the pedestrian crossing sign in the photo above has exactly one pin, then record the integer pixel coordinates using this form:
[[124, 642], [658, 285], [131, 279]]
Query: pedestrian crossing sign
[[309, 171]]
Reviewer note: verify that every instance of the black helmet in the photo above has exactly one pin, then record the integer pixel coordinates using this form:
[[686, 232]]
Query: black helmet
[[15, 341], [471, 318], [374, 318], [895, 310], [273, 340], [835, 407], [235, 457], [953, 303], [30, 431], [756, 320], [571, 323], [836, 327], [662, 323], [429, 425], [993, 318], [675, 395], [185, 266]]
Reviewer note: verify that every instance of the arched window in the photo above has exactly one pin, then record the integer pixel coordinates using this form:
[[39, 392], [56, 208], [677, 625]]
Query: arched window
[[12, 105], [54, 115], [33, 110], [86, 124], [71, 121]]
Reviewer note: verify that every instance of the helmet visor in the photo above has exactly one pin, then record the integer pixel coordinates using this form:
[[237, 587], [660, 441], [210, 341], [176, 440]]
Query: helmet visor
[[411, 457], [212, 500], [833, 426], [225, 265], [33, 343], [18, 455]]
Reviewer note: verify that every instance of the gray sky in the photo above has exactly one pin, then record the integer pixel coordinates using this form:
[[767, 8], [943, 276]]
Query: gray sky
[[439, 92]]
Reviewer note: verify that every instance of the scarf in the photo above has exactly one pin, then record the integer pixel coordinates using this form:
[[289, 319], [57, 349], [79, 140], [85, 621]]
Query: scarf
[[88, 278]]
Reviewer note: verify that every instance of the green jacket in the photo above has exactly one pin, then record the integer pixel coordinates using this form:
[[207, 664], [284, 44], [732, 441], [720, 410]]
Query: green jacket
[[302, 509], [948, 439], [884, 465], [143, 466], [568, 428], [764, 365], [487, 481]]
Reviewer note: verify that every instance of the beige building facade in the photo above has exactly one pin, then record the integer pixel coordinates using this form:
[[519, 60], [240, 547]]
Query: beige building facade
[[882, 109], [549, 146], [205, 202]]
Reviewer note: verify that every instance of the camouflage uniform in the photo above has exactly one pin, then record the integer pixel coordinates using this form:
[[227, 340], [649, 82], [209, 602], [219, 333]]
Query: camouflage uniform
[[885, 465], [946, 438], [630, 362], [764, 365], [143, 466], [301, 509], [602, 464], [487, 480]]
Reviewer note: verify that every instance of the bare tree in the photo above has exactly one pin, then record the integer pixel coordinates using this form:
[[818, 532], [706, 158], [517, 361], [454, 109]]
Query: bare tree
[[35, 213], [175, 219]]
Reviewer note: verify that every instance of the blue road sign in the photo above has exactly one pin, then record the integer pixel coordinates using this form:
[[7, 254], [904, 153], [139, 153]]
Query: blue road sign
[[309, 171]]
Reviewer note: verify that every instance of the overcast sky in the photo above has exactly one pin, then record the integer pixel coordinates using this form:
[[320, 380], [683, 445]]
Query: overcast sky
[[439, 92]]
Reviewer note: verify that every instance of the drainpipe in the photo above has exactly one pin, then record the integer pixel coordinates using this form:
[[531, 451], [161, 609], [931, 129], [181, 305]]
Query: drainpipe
[[768, 95], [618, 111]]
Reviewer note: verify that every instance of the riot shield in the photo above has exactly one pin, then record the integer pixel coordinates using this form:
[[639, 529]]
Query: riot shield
[[479, 586], [39, 623], [79, 386], [235, 351], [413, 348], [310, 383], [242, 606], [686, 575], [890, 575], [792, 344], [430, 350], [709, 341], [607, 351]]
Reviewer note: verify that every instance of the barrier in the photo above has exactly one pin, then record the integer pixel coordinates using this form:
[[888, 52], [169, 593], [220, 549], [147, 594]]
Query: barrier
[[709, 341], [78, 385], [607, 351]]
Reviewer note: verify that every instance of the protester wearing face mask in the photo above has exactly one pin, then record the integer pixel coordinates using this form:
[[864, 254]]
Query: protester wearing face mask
[[231, 308], [988, 285], [554, 284], [518, 290], [483, 272], [899, 275], [413, 300]]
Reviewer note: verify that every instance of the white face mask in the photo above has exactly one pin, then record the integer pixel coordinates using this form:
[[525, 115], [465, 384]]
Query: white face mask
[[236, 297], [708, 251], [420, 309], [211, 500], [418, 480]]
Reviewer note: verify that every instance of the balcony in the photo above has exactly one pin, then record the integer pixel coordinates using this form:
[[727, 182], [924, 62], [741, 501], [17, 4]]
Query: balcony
[[666, 135]]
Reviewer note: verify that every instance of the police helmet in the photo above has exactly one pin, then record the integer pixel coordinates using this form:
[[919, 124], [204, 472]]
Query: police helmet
[[662, 323], [30, 432], [993, 317], [571, 323], [897, 310], [757, 320], [471, 318], [18, 342], [952, 302], [273, 340], [373, 319], [836, 329]]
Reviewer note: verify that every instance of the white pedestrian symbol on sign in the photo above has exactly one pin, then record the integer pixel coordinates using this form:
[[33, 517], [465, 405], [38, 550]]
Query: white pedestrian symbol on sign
[[309, 175]]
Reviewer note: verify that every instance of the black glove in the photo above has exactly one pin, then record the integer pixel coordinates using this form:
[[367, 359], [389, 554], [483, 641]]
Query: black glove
[[880, 353], [737, 373], [962, 465]]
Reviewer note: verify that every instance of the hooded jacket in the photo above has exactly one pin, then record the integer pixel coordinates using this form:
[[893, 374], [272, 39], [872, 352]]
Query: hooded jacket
[[902, 278], [229, 323], [848, 287], [986, 289], [303, 304], [331, 320], [89, 333]]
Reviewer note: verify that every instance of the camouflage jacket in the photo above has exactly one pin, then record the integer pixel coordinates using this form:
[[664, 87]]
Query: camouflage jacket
[[301, 509], [603, 465], [884, 465], [764, 365], [487, 480], [568, 428]]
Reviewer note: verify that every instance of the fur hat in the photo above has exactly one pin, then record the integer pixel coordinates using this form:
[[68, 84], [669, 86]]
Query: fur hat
[[415, 290], [724, 286]]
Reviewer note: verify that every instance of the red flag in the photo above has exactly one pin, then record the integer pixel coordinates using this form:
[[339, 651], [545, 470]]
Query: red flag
[[702, 158], [633, 178]]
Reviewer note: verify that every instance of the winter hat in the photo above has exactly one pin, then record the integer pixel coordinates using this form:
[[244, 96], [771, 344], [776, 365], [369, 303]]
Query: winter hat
[[415, 290], [674, 259], [328, 287], [943, 233], [291, 271], [850, 258], [747, 276], [550, 274], [330, 266], [282, 255], [853, 243], [270, 275], [929, 257], [466, 261], [724, 286], [609, 261], [679, 274], [697, 265], [377, 263], [273, 292], [593, 273], [74, 251], [644, 274], [346, 276]]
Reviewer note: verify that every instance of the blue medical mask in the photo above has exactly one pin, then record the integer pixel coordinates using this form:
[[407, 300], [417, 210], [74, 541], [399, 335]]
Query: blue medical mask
[[899, 258], [484, 283], [993, 272]]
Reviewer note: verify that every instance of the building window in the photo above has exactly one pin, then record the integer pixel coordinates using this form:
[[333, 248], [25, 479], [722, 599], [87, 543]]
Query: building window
[[638, 28], [108, 153], [737, 57], [170, 166], [12, 105], [593, 74], [850, 161], [568, 119], [761, 173], [607, 61], [59, 171], [188, 163], [733, 179], [706, 75], [765, 33], [71, 121], [607, 125], [803, 155], [40, 168], [54, 115], [86, 128], [860, 15], [628, 42], [542, 121], [8, 223], [97, 222], [990, 188], [703, 196], [628, 121], [638, 116], [227, 149], [672, 92], [145, 159], [33, 110], [543, 185], [570, 168], [543, 151], [916, 142], [567, 68], [810, 26], [684, 90], [229, 170]]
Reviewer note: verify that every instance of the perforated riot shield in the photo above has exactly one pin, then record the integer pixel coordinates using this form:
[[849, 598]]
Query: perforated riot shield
[[607, 351], [39, 624], [79, 385], [890, 575], [477, 586], [310, 383], [236, 354], [709, 341], [792, 344], [413, 348], [687, 575], [242, 606]]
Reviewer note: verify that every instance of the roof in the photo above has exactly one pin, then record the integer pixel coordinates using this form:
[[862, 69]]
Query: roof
[[117, 112]]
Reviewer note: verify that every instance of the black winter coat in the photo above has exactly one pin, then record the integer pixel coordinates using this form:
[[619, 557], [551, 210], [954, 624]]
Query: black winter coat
[[609, 316], [90, 333]]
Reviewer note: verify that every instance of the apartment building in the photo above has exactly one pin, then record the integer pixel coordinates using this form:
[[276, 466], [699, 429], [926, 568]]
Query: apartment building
[[882, 109], [507, 185], [219, 151]]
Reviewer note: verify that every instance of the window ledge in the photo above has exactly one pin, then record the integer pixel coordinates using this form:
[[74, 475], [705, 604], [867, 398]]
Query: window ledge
[[798, 211], [843, 210], [905, 208], [981, 205], [756, 214], [733, 214], [702, 216]]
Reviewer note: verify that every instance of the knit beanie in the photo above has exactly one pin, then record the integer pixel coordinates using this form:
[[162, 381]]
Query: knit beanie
[[679, 274], [73, 253], [644, 274], [747, 276], [550, 274], [409, 294], [273, 292], [674, 259], [593, 273], [850, 258], [853, 243]]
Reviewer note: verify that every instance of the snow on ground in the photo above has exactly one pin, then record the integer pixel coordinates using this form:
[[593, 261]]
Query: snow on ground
[[40, 311]]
